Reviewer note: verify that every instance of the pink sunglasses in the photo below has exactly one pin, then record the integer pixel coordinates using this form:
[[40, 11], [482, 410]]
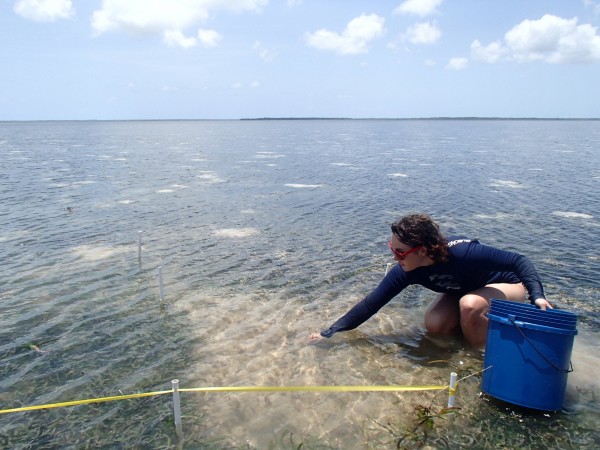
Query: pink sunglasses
[[403, 255]]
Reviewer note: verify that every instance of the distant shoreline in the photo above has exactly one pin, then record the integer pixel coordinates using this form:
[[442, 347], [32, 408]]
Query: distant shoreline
[[421, 118], [315, 119]]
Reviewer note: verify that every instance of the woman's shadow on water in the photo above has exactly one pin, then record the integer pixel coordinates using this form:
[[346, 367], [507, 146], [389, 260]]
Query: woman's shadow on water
[[416, 345], [422, 348]]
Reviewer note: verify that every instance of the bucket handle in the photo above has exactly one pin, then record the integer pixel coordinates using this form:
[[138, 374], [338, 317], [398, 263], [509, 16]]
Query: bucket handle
[[512, 319]]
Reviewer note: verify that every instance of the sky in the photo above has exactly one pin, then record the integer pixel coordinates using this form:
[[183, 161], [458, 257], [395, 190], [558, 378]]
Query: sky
[[231, 59]]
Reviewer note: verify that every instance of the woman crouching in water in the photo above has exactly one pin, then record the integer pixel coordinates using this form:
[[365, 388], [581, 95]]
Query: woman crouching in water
[[467, 275]]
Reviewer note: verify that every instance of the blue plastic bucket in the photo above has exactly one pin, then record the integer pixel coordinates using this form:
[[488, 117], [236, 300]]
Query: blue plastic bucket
[[528, 354]]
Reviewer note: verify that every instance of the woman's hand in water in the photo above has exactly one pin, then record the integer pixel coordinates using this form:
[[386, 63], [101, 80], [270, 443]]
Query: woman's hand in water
[[315, 337]]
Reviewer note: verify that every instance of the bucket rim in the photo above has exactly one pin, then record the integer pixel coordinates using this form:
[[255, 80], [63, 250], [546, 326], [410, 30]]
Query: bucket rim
[[543, 323], [535, 316], [530, 307], [533, 326]]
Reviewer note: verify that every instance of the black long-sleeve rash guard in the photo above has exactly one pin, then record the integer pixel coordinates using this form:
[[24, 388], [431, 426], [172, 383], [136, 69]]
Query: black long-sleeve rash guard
[[470, 266]]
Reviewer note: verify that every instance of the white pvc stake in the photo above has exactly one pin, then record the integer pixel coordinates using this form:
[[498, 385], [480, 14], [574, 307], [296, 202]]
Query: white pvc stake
[[160, 283], [177, 408], [139, 246], [389, 267], [452, 390]]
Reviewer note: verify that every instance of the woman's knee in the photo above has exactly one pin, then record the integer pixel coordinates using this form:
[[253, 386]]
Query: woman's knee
[[433, 323], [443, 318], [472, 305]]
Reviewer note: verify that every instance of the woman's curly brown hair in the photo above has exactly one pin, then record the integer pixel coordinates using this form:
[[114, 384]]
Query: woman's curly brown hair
[[420, 229]]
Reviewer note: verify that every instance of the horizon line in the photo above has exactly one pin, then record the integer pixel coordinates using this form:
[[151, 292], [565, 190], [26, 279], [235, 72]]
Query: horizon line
[[307, 118]]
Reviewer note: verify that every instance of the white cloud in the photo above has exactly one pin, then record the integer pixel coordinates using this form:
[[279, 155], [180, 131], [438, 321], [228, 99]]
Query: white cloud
[[423, 33], [159, 16], [245, 85], [264, 53], [353, 40], [209, 38], [176, 38], [418, 7], [457, 63], [490, 53], [44, 10], [550, 39]]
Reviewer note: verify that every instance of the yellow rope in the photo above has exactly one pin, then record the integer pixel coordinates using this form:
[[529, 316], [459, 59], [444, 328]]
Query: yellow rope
[[84, 402], [312, 388], [230, 389]]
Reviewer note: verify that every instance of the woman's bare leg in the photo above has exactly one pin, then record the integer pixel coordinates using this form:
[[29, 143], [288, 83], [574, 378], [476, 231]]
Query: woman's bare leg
[[443, 315], [474, 306]]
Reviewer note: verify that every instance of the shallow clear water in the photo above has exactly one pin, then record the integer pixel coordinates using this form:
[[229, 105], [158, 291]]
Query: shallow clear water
[[267, 231]]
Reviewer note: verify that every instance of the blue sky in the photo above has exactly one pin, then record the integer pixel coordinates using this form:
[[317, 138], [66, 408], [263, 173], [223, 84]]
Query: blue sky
[[230, 59]]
